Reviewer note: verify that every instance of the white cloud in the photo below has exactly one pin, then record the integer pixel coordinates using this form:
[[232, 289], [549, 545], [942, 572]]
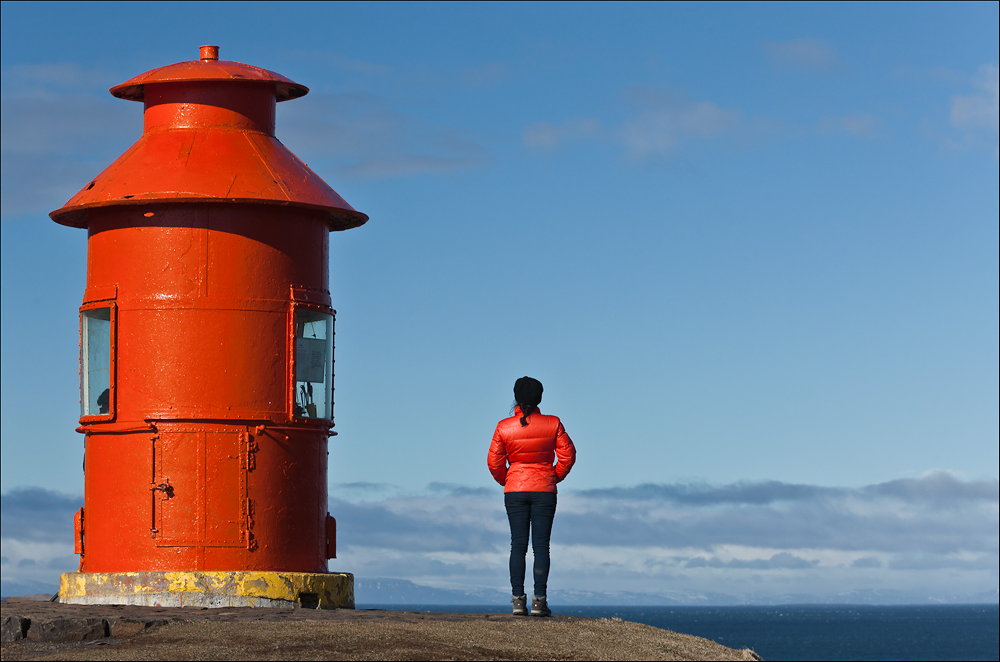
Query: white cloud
[[27, 562], [34, 79], [805, 55], [665, 120], [981, 109], [359, 66], [937, 534], [365, 136], [934, 533], [548, 137], [660, 122], [487, 74], [63, 110], [975, 116], [58, 129], [862, 125], [339, 61]]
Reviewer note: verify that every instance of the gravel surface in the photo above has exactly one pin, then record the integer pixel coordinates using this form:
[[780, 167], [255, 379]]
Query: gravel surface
[[145, 633]]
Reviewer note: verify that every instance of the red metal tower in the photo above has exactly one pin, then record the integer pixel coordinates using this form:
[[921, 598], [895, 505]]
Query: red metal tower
[[206, 336]]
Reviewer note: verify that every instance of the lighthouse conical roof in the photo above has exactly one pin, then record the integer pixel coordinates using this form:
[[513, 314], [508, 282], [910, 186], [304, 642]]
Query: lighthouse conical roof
[[185, 161]]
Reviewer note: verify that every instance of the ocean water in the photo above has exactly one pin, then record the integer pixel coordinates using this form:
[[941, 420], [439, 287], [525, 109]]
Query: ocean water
[[811, 632]]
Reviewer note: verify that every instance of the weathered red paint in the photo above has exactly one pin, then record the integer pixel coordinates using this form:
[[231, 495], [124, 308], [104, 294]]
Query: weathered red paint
[[208, 245], [78, 532], [331, 537]]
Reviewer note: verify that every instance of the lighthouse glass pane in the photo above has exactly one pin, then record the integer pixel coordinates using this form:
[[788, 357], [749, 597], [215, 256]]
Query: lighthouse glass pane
[[313, 364], [95, 362]]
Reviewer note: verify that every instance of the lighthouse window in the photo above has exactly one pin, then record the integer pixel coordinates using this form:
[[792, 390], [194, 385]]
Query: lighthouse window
[[313, 364], [95, 362]]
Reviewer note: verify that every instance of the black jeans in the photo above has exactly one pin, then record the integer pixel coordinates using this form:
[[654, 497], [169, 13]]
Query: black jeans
[[534, 510]]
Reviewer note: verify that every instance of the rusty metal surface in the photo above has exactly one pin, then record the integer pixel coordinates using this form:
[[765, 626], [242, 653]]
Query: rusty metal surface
[[204, 240]]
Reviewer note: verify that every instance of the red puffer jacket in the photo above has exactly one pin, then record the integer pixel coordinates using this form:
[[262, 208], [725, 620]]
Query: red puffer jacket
[[530, 452]]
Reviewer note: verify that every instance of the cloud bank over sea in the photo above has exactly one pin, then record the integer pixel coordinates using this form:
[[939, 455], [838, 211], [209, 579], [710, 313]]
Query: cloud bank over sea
[[932, 538]]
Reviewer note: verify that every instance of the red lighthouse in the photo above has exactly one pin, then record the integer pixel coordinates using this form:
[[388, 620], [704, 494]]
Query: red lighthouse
[[206, 363]]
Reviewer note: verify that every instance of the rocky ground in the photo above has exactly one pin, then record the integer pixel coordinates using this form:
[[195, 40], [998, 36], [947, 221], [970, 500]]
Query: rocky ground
[[44, 630]]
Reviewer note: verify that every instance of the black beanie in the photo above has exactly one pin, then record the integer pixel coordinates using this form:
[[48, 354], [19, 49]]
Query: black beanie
[[528, 391]]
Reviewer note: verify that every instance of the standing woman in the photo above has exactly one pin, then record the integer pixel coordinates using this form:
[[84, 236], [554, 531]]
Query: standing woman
[[521, 459]]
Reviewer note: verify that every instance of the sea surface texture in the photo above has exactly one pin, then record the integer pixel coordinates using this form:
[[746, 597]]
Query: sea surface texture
[[811, 632]]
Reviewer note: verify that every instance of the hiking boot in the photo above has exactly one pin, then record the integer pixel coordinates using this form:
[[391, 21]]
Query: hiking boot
[[539, 607], [520, 605]]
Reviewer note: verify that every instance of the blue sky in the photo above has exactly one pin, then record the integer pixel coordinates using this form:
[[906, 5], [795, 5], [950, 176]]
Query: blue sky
[[740, 245]]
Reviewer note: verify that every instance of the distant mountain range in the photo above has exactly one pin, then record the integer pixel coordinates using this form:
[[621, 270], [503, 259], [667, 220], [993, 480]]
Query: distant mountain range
[[10, 588], [390, 591]]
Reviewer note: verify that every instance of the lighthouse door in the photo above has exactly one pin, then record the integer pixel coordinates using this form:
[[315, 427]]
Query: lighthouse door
[[200, 488]]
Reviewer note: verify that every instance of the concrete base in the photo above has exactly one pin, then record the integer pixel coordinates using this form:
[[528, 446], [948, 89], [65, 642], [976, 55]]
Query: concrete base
[[242, 588]]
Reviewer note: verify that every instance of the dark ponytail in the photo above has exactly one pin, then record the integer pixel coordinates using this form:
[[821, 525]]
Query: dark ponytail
[[526, 411]]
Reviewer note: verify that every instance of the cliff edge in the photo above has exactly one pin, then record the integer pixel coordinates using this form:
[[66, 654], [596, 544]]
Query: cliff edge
[[39, 630]]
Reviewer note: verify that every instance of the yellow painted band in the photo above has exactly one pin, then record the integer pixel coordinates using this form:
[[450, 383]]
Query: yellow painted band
[[331, 589]]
